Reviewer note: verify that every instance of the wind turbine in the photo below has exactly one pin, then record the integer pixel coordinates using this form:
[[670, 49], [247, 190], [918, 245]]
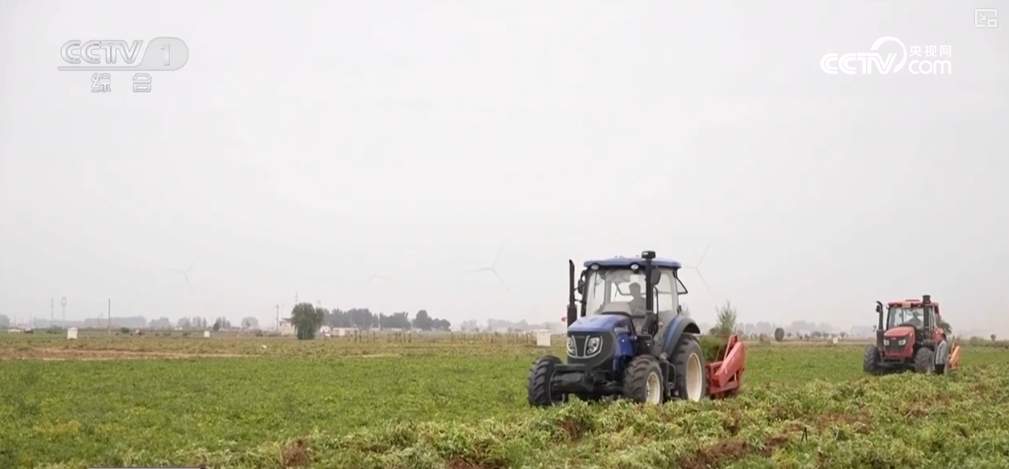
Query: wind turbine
[[492, 269], [185, 273], [696, 268]]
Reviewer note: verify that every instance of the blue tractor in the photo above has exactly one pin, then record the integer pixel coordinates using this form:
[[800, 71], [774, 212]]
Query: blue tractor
[[627, 337]]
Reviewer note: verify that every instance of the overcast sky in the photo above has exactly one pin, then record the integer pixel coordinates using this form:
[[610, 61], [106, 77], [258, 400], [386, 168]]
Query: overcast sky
[[375, 153]]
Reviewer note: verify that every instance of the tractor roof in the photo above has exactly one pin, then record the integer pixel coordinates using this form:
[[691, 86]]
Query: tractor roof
[[909, 303], [619, 262]]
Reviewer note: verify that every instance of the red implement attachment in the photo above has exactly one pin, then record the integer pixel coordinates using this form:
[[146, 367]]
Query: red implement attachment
[[726, 375], [954, 358]]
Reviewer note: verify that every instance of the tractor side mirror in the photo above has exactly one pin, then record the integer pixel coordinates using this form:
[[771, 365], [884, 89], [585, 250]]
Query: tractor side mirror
[[879, 307], [581, 287], [656, 276]]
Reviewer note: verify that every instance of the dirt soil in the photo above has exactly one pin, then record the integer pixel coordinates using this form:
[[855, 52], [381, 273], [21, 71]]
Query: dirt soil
[[46, 353]]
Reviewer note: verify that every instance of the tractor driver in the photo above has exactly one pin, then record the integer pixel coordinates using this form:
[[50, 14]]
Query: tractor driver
[[637, 301], [915, 320], [649, 324]]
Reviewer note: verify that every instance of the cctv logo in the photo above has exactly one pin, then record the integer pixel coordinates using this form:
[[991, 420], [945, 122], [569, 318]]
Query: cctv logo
[[162, 54], [887, 56]]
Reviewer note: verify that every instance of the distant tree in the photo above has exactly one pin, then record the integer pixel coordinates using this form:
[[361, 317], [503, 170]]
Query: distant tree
[[993, 337], [422, 321], [221, 323], [199, 322], [779, 334], [306, 320], [160, 323], [250, 322], [5, 321], [844, 334], [361, 318], [726, 323], [395, 321], [441, 325], [789, 335], [338, 318], [469, 326], [184, 323]]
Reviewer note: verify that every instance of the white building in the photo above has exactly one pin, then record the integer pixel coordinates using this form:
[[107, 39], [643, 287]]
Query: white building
[[343, 331], [286, 327]]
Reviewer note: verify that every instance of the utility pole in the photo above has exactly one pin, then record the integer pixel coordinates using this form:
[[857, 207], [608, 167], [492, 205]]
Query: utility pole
[[63, 303], [108, 325]]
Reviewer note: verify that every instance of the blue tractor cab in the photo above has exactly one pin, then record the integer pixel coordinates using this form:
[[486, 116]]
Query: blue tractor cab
[[627, 337]]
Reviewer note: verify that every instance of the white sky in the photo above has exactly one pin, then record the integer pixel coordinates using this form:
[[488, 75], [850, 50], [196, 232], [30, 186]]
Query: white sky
[[310, 147]]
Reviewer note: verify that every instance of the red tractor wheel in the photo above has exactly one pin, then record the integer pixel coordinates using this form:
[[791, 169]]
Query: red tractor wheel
[[924, 361], [870, 361]]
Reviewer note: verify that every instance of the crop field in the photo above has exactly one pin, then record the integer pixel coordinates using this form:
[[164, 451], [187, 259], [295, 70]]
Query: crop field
[[461, 402]]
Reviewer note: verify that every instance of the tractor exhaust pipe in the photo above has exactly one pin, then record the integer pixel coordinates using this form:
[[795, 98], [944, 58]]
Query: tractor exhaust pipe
[[926, 300], [648, 256], [879, 328], [572, 310]]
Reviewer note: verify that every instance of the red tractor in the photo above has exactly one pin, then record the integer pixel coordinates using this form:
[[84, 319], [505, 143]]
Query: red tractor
[[913, 337]]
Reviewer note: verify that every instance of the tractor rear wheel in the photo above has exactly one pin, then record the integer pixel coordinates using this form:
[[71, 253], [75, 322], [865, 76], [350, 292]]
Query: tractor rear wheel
[[643, 381], [870, 361], [691, 380], [540, 387], [924, 361]]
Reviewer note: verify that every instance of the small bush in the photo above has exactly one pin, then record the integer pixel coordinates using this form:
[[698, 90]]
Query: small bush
[[712, 347]]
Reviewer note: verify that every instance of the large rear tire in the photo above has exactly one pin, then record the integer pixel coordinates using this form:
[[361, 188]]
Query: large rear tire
[[643, 381], [540, 387], [924, 361], [870, 361], [691, 378]]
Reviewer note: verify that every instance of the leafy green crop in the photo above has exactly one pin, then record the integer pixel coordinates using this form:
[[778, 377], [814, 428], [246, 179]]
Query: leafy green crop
[[461, 403]]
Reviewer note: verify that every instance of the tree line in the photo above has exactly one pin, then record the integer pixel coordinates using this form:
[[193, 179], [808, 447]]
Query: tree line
[[307, 319]]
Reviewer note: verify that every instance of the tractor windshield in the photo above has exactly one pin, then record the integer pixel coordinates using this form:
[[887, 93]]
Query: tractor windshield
[[905, 316], [623, 290]]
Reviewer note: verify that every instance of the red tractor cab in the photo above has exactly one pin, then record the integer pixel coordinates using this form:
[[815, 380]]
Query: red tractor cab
[[911, 335]]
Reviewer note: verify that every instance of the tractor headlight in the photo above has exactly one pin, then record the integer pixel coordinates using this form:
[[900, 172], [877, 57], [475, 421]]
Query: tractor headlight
[[571, 347], [592, 346], [886, 341], [902, 342]]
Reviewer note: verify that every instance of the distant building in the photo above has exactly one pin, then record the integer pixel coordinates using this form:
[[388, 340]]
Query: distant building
[[131, 322], [343, 331], [286, 327]]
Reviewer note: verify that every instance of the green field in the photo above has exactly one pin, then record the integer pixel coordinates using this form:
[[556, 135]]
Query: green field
[[267, 402]]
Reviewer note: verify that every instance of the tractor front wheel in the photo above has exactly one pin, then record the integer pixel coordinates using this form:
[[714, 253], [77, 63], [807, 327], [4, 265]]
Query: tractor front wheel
[[688, 361], [924, 361], [643, 381], [540, 387], [870, 362]]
